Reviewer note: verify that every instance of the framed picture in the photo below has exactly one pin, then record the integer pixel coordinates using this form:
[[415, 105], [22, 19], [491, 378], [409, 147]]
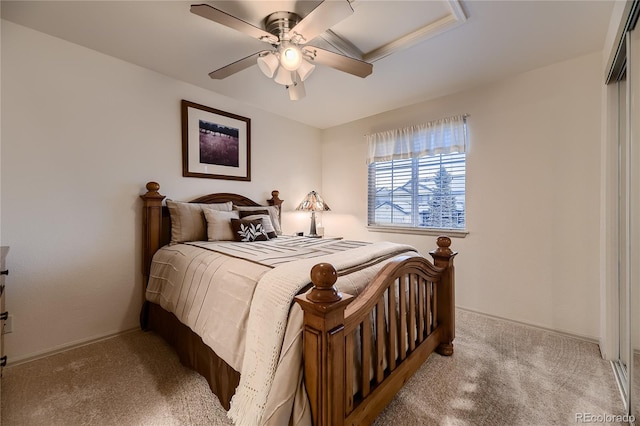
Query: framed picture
[[215, 144]]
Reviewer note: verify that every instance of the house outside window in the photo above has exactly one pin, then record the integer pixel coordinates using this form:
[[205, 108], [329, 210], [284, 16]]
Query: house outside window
[[417, 176]]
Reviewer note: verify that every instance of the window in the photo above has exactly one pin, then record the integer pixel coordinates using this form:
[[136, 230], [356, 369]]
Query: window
[[417, 176]]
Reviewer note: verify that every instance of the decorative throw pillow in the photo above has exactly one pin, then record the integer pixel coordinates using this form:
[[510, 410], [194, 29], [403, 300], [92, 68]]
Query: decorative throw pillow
[[266, 221], [273, 214], [188, 222], [219, 225], [246, 230], [245, 213]]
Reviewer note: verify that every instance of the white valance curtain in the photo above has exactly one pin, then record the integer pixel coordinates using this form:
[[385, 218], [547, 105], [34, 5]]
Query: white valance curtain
[[444, 136]]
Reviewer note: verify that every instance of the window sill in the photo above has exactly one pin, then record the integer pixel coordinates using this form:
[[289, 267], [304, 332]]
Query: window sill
[[456, 233]]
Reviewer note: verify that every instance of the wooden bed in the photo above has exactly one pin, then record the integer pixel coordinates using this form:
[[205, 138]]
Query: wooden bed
[[402, 324]]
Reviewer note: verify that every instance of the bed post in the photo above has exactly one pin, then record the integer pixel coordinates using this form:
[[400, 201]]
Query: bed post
[[443, 258], [151, 227], [323, 340], [276, 201]]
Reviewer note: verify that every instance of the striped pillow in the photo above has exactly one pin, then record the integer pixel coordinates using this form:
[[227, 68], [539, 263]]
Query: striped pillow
[[274, 214]]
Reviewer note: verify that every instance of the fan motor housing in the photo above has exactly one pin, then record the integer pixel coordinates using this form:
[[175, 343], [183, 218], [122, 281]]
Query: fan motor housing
[[279, 23]]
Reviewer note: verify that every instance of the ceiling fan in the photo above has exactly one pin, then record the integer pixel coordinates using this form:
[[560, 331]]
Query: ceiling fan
[[289, 58]]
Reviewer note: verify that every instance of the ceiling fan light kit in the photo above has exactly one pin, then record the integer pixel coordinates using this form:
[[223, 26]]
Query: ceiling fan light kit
[[291, 58], [268, 64], [305, 70], [284, 77]]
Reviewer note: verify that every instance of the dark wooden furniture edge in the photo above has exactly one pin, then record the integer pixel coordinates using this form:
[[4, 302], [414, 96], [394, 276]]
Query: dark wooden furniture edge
[[330, 320], [194, 353]]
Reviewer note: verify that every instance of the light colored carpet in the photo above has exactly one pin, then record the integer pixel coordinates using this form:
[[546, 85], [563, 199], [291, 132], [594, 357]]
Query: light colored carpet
[[501, 374]]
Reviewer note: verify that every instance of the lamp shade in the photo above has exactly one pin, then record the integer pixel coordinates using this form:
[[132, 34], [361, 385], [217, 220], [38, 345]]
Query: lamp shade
[[284, 77], [313, 202], [268, 64], [305, 70]]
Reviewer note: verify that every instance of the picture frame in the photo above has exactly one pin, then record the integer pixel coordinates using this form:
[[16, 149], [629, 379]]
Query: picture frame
[[215, 144]]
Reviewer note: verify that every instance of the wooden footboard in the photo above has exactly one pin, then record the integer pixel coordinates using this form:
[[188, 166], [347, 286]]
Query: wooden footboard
[[358, 352]]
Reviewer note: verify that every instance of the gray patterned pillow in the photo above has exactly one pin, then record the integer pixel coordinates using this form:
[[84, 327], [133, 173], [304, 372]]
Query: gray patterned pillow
[[274, 214]]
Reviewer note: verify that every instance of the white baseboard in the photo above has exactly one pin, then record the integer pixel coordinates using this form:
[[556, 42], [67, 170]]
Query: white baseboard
[[66, 347], [536, 326], [84, 342]]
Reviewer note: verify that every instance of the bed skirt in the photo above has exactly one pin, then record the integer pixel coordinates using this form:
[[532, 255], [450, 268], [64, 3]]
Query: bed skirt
[[192, 352]]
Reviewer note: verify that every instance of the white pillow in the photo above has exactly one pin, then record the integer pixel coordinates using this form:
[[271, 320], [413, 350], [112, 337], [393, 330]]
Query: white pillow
[[219, 225]]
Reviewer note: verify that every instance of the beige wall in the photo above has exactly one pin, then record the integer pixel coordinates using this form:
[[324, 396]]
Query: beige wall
[[82, 133], [533, 182]]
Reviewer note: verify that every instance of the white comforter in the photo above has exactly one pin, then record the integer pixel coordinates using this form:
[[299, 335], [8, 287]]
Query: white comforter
[[213, 293]]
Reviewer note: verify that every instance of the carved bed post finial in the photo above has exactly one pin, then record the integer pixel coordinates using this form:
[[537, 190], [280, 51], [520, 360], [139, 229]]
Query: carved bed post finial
[[443, 243], [324, 276], [152, 188], [443, 258]]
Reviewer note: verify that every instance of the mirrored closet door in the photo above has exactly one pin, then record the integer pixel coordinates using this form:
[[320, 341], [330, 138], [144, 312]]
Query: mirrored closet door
[[625, 75], [622, 362], [633, 211]]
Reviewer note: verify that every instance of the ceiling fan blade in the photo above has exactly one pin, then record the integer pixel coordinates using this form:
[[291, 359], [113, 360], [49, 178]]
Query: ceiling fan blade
[[339, 62], [217, 15], [323, 17], [236, 66]]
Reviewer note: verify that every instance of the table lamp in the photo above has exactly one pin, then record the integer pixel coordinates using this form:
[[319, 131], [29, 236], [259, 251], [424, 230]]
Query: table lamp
[[313, 202]]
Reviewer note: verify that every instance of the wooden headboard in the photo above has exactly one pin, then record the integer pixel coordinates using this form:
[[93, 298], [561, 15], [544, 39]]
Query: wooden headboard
[[156, 223]]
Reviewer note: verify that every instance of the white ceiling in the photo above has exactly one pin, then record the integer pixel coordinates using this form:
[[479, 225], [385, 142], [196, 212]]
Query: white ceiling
[[453, 46]]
